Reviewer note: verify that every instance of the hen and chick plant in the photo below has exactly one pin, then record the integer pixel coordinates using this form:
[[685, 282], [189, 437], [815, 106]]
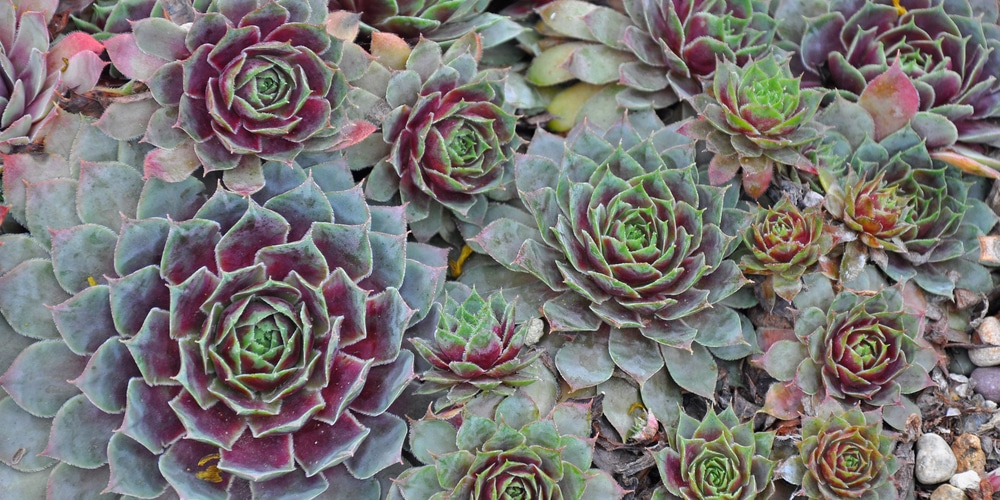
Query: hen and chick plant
[[440, 249]]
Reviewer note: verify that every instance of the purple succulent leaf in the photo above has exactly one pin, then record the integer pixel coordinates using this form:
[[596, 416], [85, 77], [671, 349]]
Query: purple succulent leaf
[[80, 432], [386, 249], [82, 256], [384, 384], [160, 38], [21, 170], [65, 481], [126, 120], [351, 207], [295, 485], [32, 436], [192, 373], [85, 320], [300, 257], [585, 362], [148, 416], [134, 295], [178, 200], [187, 299], [43, 393], [296, 410], [155, 353], [133, 469], [258, 228], [347, 378], [259, 458], [19, 248], [320, 445], [105, 378], [345, 247], [130, 59], [217, 425], [386, 318], [345, 299], [140, 244], [301, 207], [185, 463], [189, 248], [891, 99], [630, 350], [382, 448]]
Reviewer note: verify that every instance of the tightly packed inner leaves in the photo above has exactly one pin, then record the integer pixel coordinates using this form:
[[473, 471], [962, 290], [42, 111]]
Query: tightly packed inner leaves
[[510, 250]]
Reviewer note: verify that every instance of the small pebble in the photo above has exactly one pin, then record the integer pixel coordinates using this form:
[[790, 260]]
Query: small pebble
[[968, 451], [966, 481], [989, 334], [989, 331], [987, 382], [948, 492], [935, 461]]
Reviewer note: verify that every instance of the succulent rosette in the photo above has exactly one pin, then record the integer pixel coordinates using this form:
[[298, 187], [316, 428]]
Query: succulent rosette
[[514, 453], [247, 82], [948, 49], [754, 117], [215, 345], [717, 457], [658, 50], [845, 454], [477, 347], [32, 73], [911, 215], [452, 139], [859, 349], [629, 238], [784, 242], [439, 20]]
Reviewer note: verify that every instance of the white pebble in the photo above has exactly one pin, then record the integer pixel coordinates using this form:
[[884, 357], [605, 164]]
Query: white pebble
[[935, 463], [968, 480]]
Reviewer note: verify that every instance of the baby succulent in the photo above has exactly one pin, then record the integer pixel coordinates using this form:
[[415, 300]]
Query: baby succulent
[[716, 458], [784, 242], [753, 117], [452, 139], [217, 346], [860, 349], [845, 454], [476, 347], [243, 84], [513, 454]]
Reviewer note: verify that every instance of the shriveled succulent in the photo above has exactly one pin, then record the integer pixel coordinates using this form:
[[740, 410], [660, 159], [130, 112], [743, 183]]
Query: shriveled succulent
[[452, 139], [845, 454], [218, 346], [784, 242], [515, 453], [658, 49], [717, 457], [850, 348], [949, 49], [476, 347], [32, 72], [628, 238], [243, 84], [753, 117]]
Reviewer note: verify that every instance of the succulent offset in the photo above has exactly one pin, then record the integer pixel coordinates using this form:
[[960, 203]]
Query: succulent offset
[[845, 454], [716, 458], [784, 242], [754, 117], [210, 331], [452, 139], [515, 454], [624, 235], [245, 84], [477, 347]]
